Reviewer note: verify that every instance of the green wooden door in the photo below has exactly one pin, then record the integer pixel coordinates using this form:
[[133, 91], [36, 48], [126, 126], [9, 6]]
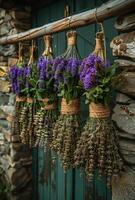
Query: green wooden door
[[49, 180]]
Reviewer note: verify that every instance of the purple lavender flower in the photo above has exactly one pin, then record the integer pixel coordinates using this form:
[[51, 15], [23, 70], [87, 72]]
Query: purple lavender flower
[[16, 76], [59, 65], [88, 71], [46, 73], [65, 70], [73, 66]]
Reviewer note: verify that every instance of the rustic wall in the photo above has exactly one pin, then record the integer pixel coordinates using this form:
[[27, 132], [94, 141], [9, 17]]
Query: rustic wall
[[15, 158], [123, 46]]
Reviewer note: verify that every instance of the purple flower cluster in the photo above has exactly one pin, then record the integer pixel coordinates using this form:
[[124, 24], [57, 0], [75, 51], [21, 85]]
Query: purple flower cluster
[[19, 78], [88, 70], [65, 70], [13, 73], [45, 71], [27, 75]]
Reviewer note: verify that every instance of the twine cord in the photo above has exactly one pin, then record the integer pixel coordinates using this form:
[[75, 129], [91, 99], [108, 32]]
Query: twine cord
[[48, 106], [69, 22], [99, 111], [29, 100], [72, 37], [48, 46], [73, 107], [103, 32], [32, 49], [20, 99], [20, 56]]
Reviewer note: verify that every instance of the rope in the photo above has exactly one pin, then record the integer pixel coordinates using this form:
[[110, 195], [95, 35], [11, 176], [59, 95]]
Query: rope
[[90, 43], [20, 99], [32, 50], [102, 30], [48, 106], [48, 46], [73, 107], [99, 111], [20, 57]]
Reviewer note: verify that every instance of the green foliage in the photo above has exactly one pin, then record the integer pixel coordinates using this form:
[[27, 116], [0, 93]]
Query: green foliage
[[108, 81], [72, 90]]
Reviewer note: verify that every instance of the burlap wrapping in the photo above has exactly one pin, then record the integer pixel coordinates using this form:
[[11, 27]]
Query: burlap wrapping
[[99, 44], [73, 107], [48, 106], [48, 40], [48, 45], [20, 99], [99, 111], [72, 37], [29, 100], [72, 40]]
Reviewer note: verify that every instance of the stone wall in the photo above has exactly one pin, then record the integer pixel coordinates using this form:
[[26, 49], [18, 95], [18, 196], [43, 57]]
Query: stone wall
[[123, 46], [15, 158]]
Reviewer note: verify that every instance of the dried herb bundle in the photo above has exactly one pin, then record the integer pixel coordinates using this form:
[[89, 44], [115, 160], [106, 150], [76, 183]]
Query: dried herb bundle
[[16, 76], [98, 146], [65, 134], [47, 113], [26, 123], [67, 127], [19, 104], [44, 121], [23, 78]]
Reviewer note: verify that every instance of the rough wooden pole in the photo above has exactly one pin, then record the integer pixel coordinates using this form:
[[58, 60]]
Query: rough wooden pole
[[105, 11]]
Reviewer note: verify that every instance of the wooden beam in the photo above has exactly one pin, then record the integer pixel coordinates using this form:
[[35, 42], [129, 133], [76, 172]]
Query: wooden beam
[[105, 11]]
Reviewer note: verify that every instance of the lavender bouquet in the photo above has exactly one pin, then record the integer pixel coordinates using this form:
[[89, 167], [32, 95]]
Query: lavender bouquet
[[28, 110], [30, 78], [46, 94], [16, 78], [98, 146], [67, 127]]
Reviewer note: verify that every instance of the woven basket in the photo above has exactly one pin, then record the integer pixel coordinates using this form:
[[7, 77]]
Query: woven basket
[[48, 106], [73, 107], [29, 100], [98, 110], [20, 99]]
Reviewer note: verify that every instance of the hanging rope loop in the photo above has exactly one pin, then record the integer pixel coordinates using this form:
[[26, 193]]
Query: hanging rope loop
[[100, 48]]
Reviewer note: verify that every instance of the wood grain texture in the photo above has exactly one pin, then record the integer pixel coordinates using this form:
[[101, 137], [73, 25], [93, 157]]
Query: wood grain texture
[[107, 10], [127, 65], [125, 22]]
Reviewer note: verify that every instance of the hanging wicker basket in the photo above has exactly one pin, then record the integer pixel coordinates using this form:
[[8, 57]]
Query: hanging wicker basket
[[99, 110], [73, 107]]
